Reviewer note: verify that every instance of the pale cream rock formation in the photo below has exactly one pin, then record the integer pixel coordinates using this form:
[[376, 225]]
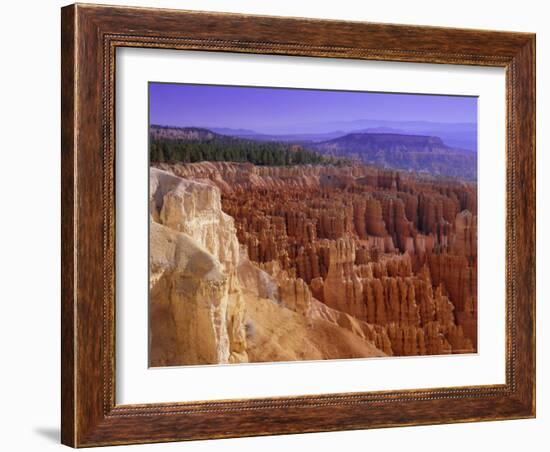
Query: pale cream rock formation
[[196, 302], [191, 298], [210, 304]]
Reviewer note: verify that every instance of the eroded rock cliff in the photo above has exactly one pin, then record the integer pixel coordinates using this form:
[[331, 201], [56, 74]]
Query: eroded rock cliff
[[392, 252], [194, 288], [210, 303]]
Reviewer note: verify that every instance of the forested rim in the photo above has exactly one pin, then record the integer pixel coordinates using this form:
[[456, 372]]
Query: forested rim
[[229, 149]]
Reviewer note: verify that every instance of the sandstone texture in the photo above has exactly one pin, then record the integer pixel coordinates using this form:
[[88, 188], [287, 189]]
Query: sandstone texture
[[254, 264]]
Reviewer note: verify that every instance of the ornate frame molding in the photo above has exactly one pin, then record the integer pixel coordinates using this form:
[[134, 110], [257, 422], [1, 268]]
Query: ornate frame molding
[[90, 37]]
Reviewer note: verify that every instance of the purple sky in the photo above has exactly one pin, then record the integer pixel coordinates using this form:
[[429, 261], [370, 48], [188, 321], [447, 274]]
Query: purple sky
[[271, 110]]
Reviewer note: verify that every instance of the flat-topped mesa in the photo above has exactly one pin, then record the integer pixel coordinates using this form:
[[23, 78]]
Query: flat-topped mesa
[[401, 151]]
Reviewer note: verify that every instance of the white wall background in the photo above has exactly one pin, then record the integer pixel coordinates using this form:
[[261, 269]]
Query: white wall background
[[29, 230]]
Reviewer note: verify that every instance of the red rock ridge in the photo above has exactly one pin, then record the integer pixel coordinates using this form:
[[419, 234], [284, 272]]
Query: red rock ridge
[[393, 250]]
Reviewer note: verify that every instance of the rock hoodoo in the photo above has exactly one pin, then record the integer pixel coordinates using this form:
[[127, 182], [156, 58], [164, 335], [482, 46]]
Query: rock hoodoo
[[254, 263]]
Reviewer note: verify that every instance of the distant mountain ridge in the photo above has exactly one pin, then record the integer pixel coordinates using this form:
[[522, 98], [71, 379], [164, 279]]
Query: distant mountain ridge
[[190, 133], [390, 141], [419, 153], [461, 135], [456, 135], [294, 138]]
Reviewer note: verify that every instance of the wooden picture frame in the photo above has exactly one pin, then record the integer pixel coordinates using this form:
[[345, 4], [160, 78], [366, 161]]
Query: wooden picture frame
[[90, 36]]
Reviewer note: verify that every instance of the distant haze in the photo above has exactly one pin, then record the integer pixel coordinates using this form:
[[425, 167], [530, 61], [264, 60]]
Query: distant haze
[[246, 111]]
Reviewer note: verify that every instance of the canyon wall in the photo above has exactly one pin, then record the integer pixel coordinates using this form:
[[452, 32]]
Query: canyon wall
[[389, 257], [194, 290], [209, 303]]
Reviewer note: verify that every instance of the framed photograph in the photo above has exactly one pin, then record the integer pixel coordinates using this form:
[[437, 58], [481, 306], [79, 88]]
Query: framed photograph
[[282, 225]]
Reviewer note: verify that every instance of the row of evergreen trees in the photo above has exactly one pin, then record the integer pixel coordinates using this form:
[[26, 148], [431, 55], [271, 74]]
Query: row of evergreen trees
[[228, 149]]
